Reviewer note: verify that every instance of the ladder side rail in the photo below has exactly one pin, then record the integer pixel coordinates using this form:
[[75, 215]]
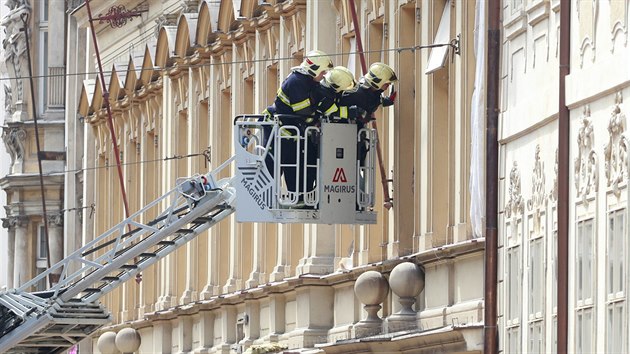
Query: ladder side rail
[[288, 132], [372, 160], [366, 173], [147, 262], [215, 172], [311, 197], [78, 287], [78, 255], [15, 305], [30, 326]]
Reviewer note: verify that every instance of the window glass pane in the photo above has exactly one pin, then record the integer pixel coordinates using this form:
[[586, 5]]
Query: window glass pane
[[42, 249]]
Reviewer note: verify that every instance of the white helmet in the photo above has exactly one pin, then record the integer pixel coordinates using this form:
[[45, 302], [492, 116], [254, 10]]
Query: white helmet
[[315, 62], [379, 75], [340, 79]]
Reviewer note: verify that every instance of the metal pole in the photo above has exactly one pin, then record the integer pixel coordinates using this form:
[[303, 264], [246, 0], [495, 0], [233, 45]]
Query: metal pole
[[52, 278], [563, 178], [387, 200], [492, 178], [110, 123]]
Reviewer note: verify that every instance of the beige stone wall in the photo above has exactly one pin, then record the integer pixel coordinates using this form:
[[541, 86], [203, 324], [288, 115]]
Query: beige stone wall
[[176, 93]]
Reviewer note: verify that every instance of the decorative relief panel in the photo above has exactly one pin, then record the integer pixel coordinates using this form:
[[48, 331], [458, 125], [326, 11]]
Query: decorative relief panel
[[294, 22], [618, 21], [55, 219], [180, 91], [14, 45], [586, 164], [13, 139], [553, 196], [514, 209], [587, 21], [515, 204], [616, 150], [269, 44], [538, 202]]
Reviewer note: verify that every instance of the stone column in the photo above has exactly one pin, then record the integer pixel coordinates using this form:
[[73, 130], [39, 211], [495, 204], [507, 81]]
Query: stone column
[[55, 239], [282, 268], [21, 257], [319, 250], [10, 250], [204, 326], [277, 318]]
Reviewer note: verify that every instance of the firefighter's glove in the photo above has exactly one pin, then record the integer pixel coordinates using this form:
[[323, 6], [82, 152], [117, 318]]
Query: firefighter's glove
[[388, 101], [353, 112]]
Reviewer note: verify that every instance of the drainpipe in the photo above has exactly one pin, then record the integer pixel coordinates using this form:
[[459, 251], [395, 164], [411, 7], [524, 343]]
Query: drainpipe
[[492, 177], [563, 178]]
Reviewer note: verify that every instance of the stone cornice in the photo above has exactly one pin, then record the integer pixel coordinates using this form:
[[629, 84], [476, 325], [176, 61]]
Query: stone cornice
[[29, 181]]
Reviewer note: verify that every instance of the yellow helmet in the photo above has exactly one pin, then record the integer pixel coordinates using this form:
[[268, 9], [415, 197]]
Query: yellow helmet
[[380, 74], [340, 78], [315, 62]]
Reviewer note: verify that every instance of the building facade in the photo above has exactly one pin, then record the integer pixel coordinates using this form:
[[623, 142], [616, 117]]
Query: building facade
[[26, 221], [598, 178], [178, 74]]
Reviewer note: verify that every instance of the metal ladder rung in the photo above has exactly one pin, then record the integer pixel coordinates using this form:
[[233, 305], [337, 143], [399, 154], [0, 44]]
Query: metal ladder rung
[[203, 220], [110, 278], [147, 254], [129, 266], [185, 231], [92, 290], [166, 243]]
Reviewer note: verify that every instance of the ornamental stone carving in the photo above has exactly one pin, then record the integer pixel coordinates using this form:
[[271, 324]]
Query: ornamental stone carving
[[585, 164], [55, 219], [515, 203], [14, 221], [9, 108], [14, 45], [13, 139], [538, 199], [553, 196], [616, 150]]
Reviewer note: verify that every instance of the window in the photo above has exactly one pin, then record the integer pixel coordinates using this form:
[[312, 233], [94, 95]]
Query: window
[[42, 58], [536, 336], [42, 257], [536, 284], [615, 282], [584, 287], [536, 279], [514, 285], [42, 248], [437, 58], [513, 340]]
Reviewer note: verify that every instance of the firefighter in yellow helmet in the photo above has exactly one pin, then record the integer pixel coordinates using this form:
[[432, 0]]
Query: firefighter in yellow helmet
[[335, 83], [368, 96]]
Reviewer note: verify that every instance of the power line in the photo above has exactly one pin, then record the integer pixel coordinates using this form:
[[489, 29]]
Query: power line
[[205, 153], [397, 50]]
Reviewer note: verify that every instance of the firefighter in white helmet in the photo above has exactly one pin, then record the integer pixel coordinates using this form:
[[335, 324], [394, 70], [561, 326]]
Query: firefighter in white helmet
[[295, 97]]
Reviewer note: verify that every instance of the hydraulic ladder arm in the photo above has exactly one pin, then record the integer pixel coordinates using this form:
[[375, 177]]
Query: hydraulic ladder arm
[[54, 320]]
